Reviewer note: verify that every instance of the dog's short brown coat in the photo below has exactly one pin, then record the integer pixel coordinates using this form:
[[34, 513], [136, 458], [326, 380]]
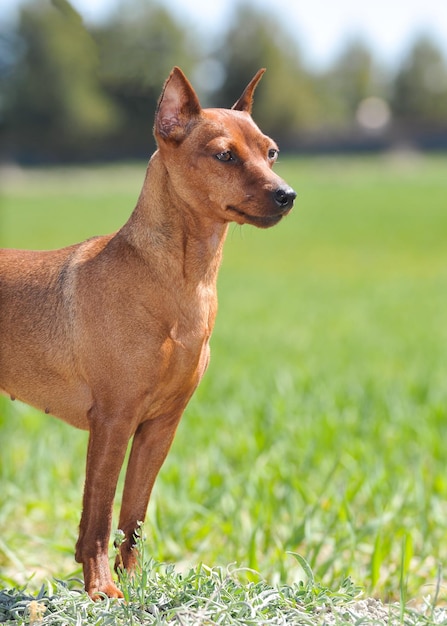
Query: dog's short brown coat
[[112, 334]]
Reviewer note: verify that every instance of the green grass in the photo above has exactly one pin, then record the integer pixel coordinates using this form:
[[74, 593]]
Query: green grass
[[320, 426]]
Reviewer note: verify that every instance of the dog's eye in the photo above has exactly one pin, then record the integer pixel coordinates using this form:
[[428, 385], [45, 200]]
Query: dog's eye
[[225, 156], [273, 154]]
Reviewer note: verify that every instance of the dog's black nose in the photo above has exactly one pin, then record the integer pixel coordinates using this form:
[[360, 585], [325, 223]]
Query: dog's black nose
[[284, 197]]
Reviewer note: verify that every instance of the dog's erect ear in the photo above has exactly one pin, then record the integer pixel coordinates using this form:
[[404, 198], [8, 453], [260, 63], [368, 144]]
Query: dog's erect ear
[[245, 102], [177, 107]]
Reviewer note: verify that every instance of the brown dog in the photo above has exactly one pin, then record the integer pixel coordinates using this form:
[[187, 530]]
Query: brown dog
[[111, 335]]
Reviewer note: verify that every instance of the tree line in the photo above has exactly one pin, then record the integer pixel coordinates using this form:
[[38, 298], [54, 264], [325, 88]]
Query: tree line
[[73, 92]]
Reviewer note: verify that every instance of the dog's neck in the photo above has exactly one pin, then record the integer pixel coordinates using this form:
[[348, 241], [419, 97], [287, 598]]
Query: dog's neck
[[164, 227]]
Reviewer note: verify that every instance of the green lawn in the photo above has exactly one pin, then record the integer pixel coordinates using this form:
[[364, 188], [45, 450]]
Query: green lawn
[[321, 425]]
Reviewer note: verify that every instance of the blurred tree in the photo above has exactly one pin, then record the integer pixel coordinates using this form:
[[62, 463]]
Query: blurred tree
[[67, 92], [287, 99], [353, 77], [138, 48], [420, 86], [53, 102]]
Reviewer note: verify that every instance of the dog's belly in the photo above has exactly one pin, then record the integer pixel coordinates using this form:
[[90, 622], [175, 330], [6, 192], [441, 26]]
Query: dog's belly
[[67, 400]]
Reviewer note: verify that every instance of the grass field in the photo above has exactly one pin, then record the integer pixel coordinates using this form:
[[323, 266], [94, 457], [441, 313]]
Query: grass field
[[321, 425]]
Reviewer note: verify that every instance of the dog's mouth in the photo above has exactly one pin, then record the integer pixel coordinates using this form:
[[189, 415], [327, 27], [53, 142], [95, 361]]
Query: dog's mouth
[[263, 221]]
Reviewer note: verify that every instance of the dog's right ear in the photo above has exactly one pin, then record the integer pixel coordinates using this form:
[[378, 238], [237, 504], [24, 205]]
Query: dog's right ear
[[177, 108]]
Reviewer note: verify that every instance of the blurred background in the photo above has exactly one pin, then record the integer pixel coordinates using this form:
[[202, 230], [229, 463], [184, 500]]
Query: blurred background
[[329, 352], [79, 81]]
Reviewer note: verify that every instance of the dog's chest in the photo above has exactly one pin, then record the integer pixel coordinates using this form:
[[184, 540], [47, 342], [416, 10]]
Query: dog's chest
[[181, 362], [185, 347]]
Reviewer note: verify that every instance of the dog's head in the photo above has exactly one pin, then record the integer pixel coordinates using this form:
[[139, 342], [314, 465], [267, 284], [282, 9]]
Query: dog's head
[[218, 159]]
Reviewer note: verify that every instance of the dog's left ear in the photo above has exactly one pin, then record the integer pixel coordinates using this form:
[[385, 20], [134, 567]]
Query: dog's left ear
[[245, 102], [177, 108]]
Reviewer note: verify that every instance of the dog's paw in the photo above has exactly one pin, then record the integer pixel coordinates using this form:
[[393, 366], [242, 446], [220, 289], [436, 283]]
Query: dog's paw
[[110, 590]]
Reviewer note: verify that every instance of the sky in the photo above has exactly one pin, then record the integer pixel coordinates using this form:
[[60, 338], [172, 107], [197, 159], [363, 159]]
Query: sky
[[321, 26]]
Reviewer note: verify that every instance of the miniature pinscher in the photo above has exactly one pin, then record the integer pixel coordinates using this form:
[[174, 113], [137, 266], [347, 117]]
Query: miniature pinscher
[[112, 334]]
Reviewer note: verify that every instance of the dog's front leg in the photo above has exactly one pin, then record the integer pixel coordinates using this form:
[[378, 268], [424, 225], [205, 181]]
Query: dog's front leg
[[150, 446], [106, 450]]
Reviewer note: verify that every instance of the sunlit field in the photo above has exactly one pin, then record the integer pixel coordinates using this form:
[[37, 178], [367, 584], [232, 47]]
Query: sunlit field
[[320, 427]]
